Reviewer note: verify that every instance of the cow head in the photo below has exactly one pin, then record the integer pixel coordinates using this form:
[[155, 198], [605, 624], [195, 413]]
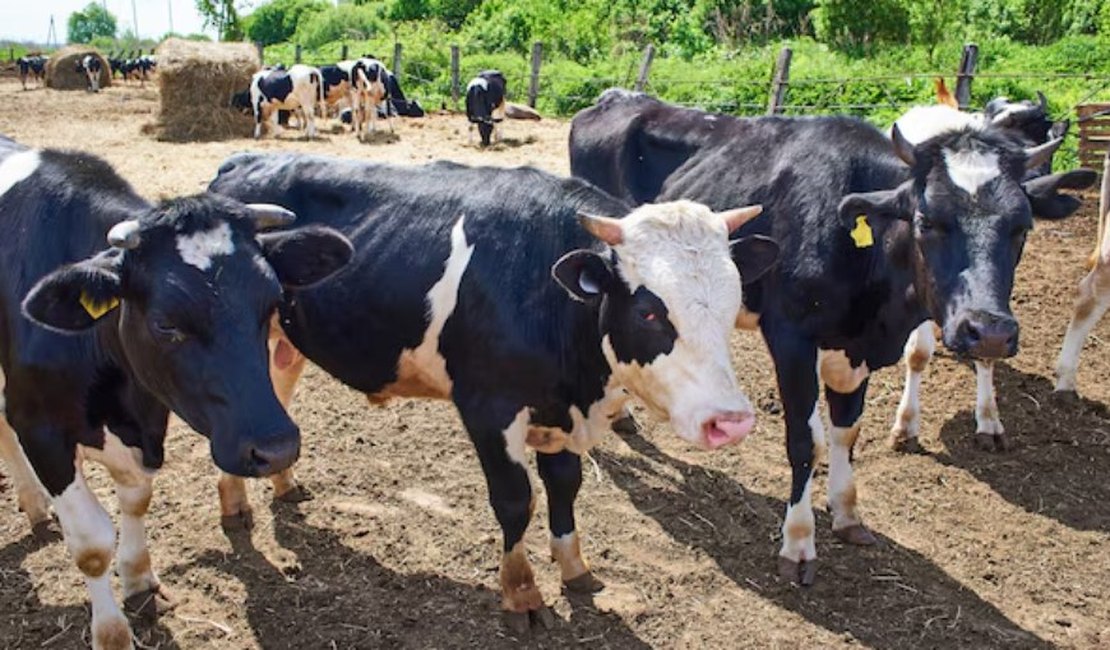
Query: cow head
[[1028, 120], [190, 287], [667, 294], [970, 214]]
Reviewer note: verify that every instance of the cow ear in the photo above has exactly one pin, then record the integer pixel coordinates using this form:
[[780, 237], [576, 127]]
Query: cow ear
[[74, 297], [1044, 193], [584, 274], [754, 256], [883, 204], [304, 256]]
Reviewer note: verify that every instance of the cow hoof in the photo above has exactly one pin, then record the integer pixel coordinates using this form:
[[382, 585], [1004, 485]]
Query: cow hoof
[[992, 441], [148, 605], [45, 531], [802, 573], [856, 534], [522, 623], [584, 584], [296, 494], [907, 446], [238, 522], [626, 426]]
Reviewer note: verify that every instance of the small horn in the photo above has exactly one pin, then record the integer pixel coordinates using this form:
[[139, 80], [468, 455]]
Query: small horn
[[902, 147], [125, 235], [606, 229], [268, 215], [739, 216], [1043, 101], [1039, 155]]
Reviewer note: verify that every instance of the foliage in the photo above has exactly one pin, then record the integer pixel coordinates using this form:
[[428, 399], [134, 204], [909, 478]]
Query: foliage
[[345, 21], [92, 21], [277, 21], [224, 16], [860, 26]]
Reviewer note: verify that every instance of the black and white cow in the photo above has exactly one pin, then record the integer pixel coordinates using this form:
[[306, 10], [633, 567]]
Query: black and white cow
[[117, 312], [876, 238], [485, 105], [335, 83], [452, 276], [32, 67], [297, 89], [370, 93], [89, 65]]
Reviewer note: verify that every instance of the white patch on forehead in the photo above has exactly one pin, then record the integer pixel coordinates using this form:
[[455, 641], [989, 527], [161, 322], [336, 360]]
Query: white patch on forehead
[[478, 81], [17, 167], [970, 170], [198, 249], [924, 122]]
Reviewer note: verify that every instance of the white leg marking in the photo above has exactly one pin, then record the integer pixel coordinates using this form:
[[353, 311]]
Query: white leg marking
[[567, 551], [234, 504], [1090, 306], [842, 483], [918, 352], [986, 409], [797, 529], [817, 431]]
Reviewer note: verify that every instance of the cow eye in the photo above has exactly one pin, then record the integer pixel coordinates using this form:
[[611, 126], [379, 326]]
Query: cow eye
[[167, 330]]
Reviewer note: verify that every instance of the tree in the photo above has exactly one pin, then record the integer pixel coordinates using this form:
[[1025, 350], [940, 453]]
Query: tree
[[222, 15], [92, 21], [277, 21], [858, 26]]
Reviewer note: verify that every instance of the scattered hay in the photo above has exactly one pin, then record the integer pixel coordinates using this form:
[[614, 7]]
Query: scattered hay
[[61, 68], [379, 137], [197, 81]]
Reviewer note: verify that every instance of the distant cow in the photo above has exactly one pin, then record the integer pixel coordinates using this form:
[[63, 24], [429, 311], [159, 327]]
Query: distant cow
[[89, 65], [370, 93], [298, 88], [117, 312], [494, 288], [32, 67], [485, 104], [336, 85], [878, 235]]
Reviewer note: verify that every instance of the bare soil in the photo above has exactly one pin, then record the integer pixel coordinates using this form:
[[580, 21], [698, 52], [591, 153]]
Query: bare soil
[[399, 548]]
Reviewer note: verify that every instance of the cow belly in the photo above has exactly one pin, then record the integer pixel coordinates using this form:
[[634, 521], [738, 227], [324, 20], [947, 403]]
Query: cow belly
[[418, 375]]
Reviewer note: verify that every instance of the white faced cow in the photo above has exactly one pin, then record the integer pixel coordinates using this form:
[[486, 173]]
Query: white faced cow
[[89, 65]]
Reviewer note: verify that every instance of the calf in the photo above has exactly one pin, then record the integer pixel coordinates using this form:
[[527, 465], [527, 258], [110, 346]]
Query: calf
[[370, 93], [273, 90], [335, 85], [89, 65], [485, 105], [877, 236], [98, 345], [33, 67], [494, 289]]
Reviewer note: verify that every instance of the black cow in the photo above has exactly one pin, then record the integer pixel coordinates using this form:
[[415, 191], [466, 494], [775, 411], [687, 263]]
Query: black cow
[[31, 66], [89, 65], [99, 343], [452, 277], [876, 239], [485, 104]]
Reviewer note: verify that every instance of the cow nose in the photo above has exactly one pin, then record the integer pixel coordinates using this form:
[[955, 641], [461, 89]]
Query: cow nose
[[988, 336], [273, 455], [726, 428]]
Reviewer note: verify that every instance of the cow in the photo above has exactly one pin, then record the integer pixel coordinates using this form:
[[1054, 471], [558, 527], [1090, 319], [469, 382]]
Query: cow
[[117, 312], [31, 66], [485, 105], [89, 65], [877, 236], [370, 92], [507, 292], [1093, 295], [298, 88], [335, 85]]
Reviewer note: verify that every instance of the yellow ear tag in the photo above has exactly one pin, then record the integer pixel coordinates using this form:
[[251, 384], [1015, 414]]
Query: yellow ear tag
[[97, 309], [861, 234]]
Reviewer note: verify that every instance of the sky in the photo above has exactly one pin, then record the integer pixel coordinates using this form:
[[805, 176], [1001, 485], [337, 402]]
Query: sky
[[29, 20]]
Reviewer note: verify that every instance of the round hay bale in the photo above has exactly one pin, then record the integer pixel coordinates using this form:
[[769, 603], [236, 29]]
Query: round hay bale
[[61, 68], [197, 81]]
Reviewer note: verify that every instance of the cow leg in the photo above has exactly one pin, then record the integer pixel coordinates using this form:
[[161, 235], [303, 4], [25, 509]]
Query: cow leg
[[562, 477], [989, 434], [796, 369], [286, 366], [257, 121], [1091, 303], [907, 422], [29, 492], [845, 410]]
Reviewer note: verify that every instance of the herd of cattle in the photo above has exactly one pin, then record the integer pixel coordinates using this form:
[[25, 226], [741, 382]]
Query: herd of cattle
[[134, 66], [538, 305]]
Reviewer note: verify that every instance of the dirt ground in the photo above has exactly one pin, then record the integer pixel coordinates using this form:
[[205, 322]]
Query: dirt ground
[[399, 548]]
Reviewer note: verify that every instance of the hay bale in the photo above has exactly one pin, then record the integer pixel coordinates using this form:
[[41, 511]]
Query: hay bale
[[61, 68], [197, 81]]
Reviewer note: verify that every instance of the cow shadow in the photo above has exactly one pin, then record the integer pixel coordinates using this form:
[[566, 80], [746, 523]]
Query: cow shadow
[[886, 596], [27, 622], [331, 594], [1060, 451]]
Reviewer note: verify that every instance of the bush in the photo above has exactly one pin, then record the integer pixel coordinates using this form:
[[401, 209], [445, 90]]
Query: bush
[[345, 21], [277, 21]]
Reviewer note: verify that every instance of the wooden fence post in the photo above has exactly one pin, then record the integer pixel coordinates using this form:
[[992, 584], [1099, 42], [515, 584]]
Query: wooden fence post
[[455, 76], [343, 52], [780, 81], [534, 83], [261, 51], [645, 68], [297, 53], [397, 59], [11, 54], [966, 74]]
